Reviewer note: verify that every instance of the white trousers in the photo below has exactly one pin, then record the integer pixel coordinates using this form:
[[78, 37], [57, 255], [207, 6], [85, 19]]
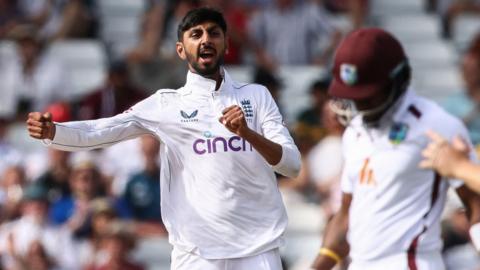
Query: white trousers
[[269, 260], [421, 261]]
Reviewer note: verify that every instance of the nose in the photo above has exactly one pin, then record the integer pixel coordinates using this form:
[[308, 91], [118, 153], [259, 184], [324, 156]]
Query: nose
[[207, 39]]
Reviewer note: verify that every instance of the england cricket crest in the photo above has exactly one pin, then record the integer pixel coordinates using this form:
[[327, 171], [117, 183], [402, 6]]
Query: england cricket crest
[[247, 109]]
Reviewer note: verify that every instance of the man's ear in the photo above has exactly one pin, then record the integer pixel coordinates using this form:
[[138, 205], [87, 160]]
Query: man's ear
[[227, 41], [181, 50]]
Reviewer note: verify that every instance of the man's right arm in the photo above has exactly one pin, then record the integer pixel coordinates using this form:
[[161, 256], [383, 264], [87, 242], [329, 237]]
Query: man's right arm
[[335, 245], [85, 135]]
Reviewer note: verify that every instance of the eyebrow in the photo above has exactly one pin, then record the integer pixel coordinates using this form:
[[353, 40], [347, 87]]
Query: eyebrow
[[209, 28]]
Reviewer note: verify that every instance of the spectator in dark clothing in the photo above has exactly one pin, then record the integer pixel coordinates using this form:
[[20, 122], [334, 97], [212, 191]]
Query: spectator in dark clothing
[[268, 79], [117, 95], [143, 189], [10, 15], [86, 185], [309, 120], [55, 179], [142, 193]]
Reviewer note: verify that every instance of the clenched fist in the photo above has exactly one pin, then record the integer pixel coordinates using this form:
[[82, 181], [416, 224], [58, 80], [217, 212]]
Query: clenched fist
[[233, 119], [40, 126]]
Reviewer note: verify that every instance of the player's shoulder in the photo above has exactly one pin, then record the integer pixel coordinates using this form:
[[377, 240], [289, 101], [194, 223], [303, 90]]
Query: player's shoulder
[[252, 90], [248, 87], [154, 100], [166, 91], [435, 117]]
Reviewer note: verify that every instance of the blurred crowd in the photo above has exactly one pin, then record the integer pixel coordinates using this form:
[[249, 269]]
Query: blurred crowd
[[87, 210]]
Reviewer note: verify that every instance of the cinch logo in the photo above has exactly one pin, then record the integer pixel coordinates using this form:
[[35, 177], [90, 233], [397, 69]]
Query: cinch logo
[[212, 145], [189, 117]]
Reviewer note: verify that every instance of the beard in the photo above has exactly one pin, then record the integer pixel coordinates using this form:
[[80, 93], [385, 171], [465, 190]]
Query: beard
[[205, 70]]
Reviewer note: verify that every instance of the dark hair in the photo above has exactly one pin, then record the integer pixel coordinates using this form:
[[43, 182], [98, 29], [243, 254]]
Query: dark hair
[[321, 85], [198, 16], [265, 77]]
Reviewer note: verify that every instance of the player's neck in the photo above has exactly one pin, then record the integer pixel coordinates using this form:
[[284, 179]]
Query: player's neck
[[217, 77]]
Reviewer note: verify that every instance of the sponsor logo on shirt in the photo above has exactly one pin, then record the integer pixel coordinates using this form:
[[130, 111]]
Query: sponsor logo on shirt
[[189, 117], [213, 144], [366, 174]]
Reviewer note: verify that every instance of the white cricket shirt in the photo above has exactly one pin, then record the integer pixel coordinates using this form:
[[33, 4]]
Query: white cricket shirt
[[219, 197], [396, 206]]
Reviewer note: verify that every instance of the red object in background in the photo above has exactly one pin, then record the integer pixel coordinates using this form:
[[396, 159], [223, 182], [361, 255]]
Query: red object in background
[[237, 21], [60, 112]]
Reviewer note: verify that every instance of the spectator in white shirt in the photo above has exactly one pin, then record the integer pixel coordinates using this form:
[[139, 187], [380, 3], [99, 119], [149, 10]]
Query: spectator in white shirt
[[38, 78], [290, 33]]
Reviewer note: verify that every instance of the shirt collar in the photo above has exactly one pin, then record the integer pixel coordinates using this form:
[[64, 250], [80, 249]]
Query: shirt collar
[[198, 84], [395, 113], [403, 104]]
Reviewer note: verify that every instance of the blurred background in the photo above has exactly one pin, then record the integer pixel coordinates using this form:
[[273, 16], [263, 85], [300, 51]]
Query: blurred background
[[86, 59]]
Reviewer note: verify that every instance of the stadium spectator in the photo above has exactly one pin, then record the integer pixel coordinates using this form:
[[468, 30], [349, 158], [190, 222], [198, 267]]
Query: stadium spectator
[[73, 209], [116, 169], [10, 155], [151, 33], [142, 193], [449, 10], [12, 186], [18, 236], [103, 220], [10, 16], [322, 163], [272, 82], [116, 96], [62, 19], [289, 33], [357, 10], [39, 80], [163, 68], [38, 259], [116, 246], [236, 15], [465, 104], [326, 162], [310, 119], [55, 179]]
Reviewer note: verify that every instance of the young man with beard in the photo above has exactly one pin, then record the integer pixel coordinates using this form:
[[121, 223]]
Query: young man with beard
[[221, 142]]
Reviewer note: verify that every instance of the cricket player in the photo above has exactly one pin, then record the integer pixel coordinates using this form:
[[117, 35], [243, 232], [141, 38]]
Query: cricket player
[[221, 142], [390, 213]]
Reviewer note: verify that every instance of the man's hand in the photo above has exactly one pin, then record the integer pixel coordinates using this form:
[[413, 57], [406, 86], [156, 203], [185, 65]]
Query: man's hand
[[323, 263], [40, 126], [234, 120], [442, 156]]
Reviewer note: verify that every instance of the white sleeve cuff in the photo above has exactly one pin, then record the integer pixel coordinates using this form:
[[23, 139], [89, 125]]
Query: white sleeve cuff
[[47, 142], [61, 135], [289, 164]]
